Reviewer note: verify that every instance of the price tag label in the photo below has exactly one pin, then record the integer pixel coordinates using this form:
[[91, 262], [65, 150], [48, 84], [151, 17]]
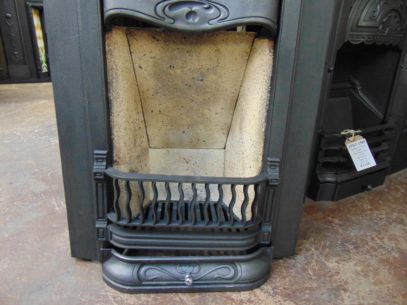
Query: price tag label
[[360, 153]]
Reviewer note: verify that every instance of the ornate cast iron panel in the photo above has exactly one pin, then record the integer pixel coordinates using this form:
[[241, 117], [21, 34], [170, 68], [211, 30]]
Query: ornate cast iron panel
[[377, 21], [163, 273], [195, 15]]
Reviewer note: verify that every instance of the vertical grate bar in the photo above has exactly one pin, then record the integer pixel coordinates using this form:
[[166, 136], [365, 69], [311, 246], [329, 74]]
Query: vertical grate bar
[[154, 202], [219, 204], [181, 204], [255, 204], [141, 200], [174, 212], [213, 212], [128, 200], [167, 203], [160, 211], [199, 203], [243, 208], [116, 194], [206, 204], [232, 204], [193, 203]]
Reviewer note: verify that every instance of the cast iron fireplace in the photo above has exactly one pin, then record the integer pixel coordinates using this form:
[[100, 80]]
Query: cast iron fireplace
[[186, 107], [367, 64], [186, 130], [182, 198]]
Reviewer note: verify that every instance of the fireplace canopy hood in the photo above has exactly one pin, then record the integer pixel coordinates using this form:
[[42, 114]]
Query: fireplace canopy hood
[[195, 15]]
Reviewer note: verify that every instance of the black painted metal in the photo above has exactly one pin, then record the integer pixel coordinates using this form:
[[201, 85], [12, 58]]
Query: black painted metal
[[377, 21], [216, 272], [189, 225], [217, 239], [19, 43], [240, 247], [76, 51], [336, 176], [398, 110], [309, 37], [360, 94], [187, 213], [3, 62], [399, 161], [195, 15]]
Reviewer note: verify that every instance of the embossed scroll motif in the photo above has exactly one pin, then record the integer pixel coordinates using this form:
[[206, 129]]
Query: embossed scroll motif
[[377, 21], [197, 12], [195, 15], [148, 273]]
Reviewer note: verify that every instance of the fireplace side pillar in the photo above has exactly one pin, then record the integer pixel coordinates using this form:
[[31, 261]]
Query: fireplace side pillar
[[302, 51], [78, 74]]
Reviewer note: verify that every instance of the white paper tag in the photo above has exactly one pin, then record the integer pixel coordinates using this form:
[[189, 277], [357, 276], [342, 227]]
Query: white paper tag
[[360, 153]]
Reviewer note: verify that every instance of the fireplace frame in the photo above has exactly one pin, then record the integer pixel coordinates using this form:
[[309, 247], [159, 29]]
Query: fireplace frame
[[76, 43]]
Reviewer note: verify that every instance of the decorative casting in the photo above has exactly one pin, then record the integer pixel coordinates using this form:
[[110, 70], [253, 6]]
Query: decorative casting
[[99, 167], [377, 21], [273, 171], [195, 15], [180, 273], [187, 13], [161, 273]]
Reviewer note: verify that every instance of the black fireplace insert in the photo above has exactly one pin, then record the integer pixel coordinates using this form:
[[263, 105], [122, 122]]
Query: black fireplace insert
[[365, 92], [186, 133]]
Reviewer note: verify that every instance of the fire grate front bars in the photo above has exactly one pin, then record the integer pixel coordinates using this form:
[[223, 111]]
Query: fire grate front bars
[[146, 203], [236, 206], [185, 219]]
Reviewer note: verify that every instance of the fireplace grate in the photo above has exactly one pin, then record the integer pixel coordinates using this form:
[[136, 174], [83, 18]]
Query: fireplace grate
[[236, 205], [336, 176], [333, 155]]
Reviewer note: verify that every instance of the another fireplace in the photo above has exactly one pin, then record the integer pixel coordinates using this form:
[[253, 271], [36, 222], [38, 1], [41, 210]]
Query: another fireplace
[[370, 45], [185, 134]]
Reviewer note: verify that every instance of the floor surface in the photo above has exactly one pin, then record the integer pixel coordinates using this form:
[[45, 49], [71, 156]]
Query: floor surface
[[350, 252]]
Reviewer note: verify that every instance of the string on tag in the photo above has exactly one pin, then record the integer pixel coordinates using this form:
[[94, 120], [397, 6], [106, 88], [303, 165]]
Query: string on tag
[[351, 134], [358, 149]]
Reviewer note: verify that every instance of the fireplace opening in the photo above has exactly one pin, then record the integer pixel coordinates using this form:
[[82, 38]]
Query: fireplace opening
[[187, 187], [359, 99], [188, 105], [361, 87]]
